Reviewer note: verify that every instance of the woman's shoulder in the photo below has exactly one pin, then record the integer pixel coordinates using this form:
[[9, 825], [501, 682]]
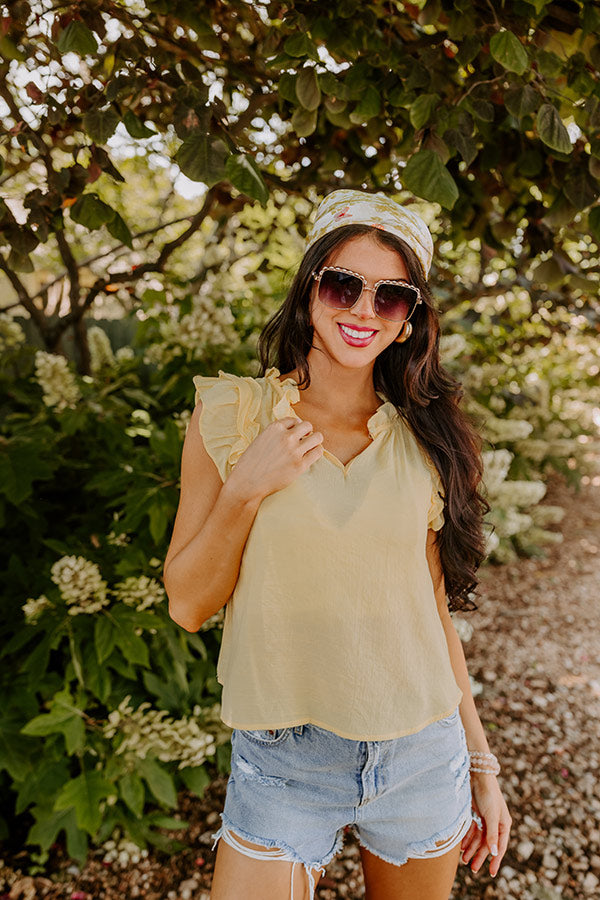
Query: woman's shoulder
[[245, 395]]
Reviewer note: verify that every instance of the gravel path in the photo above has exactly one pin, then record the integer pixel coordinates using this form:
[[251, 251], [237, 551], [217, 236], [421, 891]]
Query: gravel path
[[536, 652]]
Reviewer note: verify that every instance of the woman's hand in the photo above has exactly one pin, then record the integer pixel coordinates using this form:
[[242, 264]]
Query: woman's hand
[[282, 452], [490, 806]]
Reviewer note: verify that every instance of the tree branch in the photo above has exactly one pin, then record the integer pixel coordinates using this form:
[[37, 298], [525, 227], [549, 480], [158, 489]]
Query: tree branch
[[71, 267], [156, 266], [24, 299]]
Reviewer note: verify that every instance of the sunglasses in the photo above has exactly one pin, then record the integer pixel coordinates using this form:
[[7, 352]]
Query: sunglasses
[[341, 289]]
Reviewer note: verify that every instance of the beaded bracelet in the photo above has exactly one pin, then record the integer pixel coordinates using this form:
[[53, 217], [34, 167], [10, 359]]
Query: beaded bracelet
[[479, 762]]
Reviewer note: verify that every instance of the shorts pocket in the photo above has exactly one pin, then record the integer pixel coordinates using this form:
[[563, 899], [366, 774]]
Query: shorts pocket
[[451, 720], [264, 736]]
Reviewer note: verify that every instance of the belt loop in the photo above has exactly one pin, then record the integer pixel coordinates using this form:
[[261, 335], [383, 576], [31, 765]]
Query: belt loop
[[298, 729]]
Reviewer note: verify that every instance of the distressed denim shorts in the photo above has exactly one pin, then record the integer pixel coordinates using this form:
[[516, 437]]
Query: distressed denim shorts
[[294, 790]]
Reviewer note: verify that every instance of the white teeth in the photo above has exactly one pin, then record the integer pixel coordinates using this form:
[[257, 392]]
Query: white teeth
[[357, 334]]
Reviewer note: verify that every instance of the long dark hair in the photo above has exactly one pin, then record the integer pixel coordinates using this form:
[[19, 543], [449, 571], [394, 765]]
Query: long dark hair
[[411, 376]]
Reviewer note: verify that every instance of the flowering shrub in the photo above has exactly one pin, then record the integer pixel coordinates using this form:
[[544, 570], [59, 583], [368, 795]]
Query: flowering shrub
[[110, 708]]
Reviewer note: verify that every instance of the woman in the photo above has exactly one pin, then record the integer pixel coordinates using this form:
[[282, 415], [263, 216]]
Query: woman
[[335, 510]]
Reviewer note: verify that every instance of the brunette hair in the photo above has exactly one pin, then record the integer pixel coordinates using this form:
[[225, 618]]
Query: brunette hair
[[411, 376]]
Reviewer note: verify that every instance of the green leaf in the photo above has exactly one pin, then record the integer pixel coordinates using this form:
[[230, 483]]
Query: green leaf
[[507, 49], [538, 5], [48, 825], [304, 121], [549, 64], [580, 188], [427, 177], [422, 110], [119, 229], [368, 106], [460, 141], [85, 794], [521, 100], [287, 87], [158, 520], [552, 130], [131, 788], [77, 37], [243, 172], [195, 779], [104, 637], [594, 223], [63, 718], [202, 158], [482, 109], [100, 124], [91, 211], [136, 128], [133, 648], [308, 91], [548, 272], [13, 753], [300, 45], [9, 50], [159, 781]]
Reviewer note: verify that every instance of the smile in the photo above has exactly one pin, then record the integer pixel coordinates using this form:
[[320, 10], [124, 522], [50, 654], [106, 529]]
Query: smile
[[357, 337]]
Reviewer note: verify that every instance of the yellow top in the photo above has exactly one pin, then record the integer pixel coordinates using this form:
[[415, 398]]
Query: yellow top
[[333, 619]]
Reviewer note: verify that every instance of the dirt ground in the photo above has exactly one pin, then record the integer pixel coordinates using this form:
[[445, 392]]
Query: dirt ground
[[536, 653]]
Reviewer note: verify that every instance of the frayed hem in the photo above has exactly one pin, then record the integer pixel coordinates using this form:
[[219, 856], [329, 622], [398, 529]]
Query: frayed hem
[[285, 852], [426, 849]]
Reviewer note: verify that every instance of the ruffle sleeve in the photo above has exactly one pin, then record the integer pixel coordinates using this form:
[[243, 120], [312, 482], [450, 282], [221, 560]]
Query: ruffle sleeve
[[435, 516], [229, 417]]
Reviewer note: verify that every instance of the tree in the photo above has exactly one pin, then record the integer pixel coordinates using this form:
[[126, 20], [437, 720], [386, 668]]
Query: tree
[[494, 113]]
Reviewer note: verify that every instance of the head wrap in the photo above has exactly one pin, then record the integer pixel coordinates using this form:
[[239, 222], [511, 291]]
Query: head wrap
[[348, 207]]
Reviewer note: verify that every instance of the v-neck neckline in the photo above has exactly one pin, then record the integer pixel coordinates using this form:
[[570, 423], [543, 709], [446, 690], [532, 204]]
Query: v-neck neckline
[[376, 424]]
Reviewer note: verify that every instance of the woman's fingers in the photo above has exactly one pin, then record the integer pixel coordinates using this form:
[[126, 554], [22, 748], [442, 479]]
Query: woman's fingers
[[503, 833]]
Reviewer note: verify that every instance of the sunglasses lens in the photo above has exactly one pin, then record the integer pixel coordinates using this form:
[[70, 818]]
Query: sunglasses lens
[[395, 301], [339, 289]]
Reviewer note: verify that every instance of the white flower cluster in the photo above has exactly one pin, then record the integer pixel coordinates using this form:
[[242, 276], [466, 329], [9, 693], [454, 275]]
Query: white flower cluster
[[101, 353], [206, 325], [141, 592], [463, 628], [58, 383], [217, 620], [118, 540], [80, 583], [34, 608], [122, 851], [152, 732], [124, 354], [496, 429], [519, 493], [11, 333], [496, 464], [451, 346], [182, 420]]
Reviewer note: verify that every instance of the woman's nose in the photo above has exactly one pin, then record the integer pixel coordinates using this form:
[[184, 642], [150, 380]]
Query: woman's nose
[[364, 307]]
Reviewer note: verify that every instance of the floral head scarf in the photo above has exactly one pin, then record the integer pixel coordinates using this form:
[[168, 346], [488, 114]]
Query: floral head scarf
[[348, 207]]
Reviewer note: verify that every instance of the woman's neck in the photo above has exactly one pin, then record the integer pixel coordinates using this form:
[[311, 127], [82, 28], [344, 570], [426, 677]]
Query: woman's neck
[[335, 387]]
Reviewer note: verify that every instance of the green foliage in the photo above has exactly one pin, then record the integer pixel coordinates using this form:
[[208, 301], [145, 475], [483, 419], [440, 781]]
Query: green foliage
[[473, 107], [90, 494]]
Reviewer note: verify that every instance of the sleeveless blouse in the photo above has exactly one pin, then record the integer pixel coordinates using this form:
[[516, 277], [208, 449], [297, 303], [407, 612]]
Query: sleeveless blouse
[[333, 620]]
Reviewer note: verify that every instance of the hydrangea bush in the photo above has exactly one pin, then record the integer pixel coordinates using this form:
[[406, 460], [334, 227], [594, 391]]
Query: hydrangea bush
[[109, 708]]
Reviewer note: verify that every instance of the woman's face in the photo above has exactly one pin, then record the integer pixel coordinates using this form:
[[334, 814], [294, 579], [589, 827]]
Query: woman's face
[[335, 330]]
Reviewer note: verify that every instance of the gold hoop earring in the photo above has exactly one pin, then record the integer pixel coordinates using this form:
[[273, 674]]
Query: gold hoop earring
[[405, 333]]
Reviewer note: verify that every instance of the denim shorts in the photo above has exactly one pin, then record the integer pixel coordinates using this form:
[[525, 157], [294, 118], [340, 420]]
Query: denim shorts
[[294, 791]]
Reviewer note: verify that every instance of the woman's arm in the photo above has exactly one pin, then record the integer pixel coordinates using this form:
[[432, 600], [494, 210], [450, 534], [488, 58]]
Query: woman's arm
[[214, 518], [476, 739], [488, 801]]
